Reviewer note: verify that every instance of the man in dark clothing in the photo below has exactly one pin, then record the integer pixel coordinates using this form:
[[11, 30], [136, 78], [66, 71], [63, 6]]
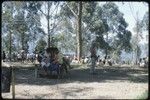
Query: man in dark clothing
[[4, 56], [93, 58]]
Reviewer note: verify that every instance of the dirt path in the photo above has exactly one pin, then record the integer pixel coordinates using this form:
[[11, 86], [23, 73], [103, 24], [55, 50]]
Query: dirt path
[[110, 83]]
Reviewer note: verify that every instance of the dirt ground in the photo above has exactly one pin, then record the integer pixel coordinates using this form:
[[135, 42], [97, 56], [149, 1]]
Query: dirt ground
[[114, 82]]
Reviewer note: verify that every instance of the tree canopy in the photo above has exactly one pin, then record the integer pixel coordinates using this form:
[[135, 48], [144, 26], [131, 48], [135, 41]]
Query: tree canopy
[[72, 26]]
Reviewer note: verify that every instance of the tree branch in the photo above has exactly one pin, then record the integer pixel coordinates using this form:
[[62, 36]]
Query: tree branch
[[42, 12], [36, 19], [55, 8], [72, 11]]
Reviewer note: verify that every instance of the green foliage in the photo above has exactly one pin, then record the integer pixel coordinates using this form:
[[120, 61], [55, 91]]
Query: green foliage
[[33, 7], [145, 21], [143, 96], [33, 19], [101, 21], [138, 52], [23, 20], [106, 23], [92, 16], [21, 27], [7, 25], [65, 42], [88, 10], [117, 25], [66, 11], [41, 44]]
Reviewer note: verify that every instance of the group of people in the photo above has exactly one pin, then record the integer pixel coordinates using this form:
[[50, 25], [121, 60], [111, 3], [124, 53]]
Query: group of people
[[52, 61], [19, 56], [143, 62]]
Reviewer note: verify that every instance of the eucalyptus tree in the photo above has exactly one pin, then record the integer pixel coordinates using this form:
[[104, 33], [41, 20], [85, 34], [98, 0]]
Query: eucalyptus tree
[[48, 11], [73, 10], [7, 26], [88, 17], [105, 23], [145, 21], [136, 49], [140, 26], [12, 25], [21, 29], [117, 35], [95, 24], [145, 27], [67, 27], [79, 33], [69, 9], [65, 39], [117, 27], [33, 18], [41, 44]]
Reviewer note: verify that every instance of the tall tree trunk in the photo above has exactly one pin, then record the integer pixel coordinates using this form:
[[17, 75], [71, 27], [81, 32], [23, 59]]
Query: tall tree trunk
[[106, 51], [79, 33], [10, 49], [10, 44], [48, 28], [22, 40], [137, 29]]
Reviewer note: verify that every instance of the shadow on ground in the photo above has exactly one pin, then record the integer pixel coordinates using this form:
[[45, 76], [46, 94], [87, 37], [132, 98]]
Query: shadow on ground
[[105, 74]]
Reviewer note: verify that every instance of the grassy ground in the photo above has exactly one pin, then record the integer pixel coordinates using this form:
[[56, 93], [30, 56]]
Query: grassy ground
[[113, 82], [143, 96]]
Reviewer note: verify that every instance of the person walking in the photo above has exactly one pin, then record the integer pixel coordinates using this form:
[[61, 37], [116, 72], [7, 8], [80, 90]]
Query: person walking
[[93, 58]]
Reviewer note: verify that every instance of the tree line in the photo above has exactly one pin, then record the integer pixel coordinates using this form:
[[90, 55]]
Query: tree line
[[71, 26]]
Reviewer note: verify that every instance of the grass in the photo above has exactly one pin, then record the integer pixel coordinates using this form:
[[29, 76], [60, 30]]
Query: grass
[[143, 96], [76, 66]]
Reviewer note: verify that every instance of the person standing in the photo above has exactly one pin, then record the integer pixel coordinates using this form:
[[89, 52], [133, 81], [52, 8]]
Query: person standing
[[93, 58], [4, 56]]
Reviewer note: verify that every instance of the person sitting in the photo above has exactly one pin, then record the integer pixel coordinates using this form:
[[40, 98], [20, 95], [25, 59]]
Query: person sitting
[[46, 61], [39, 57], [66, 64], [142, 63], [101, 62], [109, 63], [4, 56], [146, 61], [86, 60], [57, 61]]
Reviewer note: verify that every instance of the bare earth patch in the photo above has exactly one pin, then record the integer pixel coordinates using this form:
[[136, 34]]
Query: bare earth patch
[[110, 83]]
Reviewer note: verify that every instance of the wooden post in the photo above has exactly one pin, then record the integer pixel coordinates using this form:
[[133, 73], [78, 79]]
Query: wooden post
[[36, 70], [13, 82]]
